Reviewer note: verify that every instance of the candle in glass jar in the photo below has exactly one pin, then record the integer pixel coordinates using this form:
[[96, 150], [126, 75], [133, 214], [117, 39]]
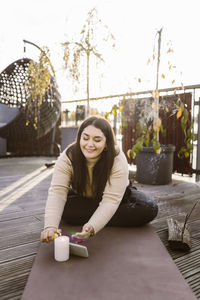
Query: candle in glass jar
[[61, 248]]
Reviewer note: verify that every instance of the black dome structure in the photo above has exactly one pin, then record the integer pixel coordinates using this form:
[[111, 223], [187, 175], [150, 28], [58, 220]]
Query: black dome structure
[[17, 122]]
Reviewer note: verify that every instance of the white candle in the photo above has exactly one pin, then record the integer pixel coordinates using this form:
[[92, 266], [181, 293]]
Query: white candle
[[61, 248]]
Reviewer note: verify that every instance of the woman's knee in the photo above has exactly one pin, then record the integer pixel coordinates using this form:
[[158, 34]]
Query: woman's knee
[[147, 206], [140, 209]]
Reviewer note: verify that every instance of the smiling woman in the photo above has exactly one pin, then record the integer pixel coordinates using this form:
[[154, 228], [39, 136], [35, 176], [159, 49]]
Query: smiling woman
[[90, 185], [92, 142]]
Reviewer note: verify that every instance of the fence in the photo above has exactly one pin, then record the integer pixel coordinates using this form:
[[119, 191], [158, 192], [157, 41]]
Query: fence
[[190, 95]]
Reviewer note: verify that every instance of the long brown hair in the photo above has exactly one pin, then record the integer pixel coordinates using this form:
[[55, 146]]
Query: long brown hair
[[102, 169]]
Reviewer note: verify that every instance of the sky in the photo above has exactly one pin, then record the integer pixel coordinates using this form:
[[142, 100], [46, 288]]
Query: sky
[[134, 25]]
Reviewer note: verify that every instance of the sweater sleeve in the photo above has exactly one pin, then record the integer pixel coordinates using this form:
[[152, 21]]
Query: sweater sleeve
[[113, 193], [57, 194]]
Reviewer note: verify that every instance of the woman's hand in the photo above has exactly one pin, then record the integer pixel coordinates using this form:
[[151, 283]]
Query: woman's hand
[[87, 231], [47, 235]]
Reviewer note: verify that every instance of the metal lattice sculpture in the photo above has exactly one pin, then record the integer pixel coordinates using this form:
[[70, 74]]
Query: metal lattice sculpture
[[16, 120]]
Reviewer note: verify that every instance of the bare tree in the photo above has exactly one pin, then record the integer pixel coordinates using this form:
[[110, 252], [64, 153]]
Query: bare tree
[[88, 45]]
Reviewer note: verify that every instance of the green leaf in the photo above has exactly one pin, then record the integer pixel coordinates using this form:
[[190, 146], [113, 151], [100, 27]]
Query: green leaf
[[187, 154]]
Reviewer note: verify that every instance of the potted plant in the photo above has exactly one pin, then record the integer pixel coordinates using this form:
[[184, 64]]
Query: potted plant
[[154, 160]]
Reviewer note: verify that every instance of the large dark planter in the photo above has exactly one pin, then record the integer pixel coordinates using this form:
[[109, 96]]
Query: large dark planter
[[153, 168]]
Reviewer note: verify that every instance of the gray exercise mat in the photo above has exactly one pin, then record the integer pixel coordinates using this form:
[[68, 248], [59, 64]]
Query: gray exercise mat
[[123, 264]]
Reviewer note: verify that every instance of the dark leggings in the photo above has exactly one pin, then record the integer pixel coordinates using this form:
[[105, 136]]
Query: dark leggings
[[135, 209]]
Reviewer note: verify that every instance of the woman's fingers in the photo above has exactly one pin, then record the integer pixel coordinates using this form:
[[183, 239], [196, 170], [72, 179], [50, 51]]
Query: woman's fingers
[[59, 231], [47, 235], [83, 235], [88, 228], [87, 231]]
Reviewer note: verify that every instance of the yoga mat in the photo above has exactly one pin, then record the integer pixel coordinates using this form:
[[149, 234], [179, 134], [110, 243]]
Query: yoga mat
[[123, 264]]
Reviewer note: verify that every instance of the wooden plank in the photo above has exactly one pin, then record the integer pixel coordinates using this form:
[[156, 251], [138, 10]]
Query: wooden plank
[[14, 286], [22, 227], [194, 282], [15, 267], [11, 209], [8, 216], [194, 279], [41, 217], [15, 222], [19, 252], [13, 277], [185, 263], [14, 296], [20, 239]]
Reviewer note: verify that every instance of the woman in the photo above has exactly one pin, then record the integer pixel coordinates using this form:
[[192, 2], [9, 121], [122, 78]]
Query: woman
[[90, 186]]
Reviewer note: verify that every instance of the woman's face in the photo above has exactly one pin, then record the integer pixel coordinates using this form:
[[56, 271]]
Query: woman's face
[[92, 142]]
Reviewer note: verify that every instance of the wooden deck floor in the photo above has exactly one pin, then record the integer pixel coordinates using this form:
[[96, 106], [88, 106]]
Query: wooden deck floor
[[24, 184]]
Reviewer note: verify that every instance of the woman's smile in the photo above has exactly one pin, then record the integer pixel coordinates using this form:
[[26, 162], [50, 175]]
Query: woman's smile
[[90, 150]]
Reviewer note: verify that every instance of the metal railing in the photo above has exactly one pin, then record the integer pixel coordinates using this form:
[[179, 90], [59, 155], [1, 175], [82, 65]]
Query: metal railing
[[110, 100]]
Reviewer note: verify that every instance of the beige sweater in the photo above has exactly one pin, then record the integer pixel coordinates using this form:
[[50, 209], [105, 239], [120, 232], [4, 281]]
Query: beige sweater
[[112, 195]]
